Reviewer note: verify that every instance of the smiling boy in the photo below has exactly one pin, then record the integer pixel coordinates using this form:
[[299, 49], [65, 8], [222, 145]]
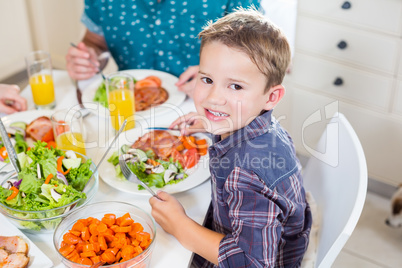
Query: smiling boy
[[260, 217]]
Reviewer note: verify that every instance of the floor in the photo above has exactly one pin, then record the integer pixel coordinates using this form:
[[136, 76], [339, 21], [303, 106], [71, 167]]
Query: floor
[[373, 244]]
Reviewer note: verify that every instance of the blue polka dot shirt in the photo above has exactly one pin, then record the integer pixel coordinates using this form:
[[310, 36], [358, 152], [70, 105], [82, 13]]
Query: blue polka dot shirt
[[146, 34]]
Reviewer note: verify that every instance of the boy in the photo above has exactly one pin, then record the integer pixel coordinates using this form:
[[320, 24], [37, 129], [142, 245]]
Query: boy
[[260, 217]]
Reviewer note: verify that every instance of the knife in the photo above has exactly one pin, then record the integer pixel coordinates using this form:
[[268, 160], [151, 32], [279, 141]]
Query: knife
[[12, 155]]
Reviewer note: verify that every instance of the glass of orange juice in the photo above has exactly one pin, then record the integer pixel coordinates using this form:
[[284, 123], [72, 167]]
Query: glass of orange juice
[[39, 67], [120, 93], [68, 130]]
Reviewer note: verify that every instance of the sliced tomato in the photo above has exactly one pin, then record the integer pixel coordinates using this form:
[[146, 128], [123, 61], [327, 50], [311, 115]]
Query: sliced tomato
[[177, 156], [145, 83], [156, 79], [191, 158]]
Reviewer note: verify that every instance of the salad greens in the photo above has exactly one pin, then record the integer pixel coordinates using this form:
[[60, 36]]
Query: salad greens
[[101, 95], [43, 184], [148, 168]]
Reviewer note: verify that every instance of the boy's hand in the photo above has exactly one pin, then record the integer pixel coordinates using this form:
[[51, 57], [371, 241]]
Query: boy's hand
[[168, 212], [188, 124]]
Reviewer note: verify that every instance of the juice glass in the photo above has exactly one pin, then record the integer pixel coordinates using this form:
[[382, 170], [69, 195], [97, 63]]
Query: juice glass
[[39, 68], [69, 130], [120, 92]]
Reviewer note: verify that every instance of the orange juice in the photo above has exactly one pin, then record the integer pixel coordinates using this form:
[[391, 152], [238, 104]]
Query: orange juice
[[71, 141], [42, 89], [122, 106]]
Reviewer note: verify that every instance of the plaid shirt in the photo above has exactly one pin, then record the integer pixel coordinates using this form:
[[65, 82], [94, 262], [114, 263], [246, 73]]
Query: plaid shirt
[[258, 199]]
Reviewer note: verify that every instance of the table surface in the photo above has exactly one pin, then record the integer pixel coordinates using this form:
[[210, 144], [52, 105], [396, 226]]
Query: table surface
[[168, 252]]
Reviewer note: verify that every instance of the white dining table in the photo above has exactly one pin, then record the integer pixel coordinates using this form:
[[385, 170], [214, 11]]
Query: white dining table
[[168, 252]]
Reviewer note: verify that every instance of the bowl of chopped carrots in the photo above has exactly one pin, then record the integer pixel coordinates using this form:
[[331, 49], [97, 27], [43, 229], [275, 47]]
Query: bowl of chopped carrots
[[116, 234], [45, 191]]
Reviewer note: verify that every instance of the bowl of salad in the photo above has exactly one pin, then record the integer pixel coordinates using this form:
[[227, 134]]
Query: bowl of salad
[[52, 183]]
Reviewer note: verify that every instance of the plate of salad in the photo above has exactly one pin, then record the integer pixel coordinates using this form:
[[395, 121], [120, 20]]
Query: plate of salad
[[50, 183], [148, 103], [162, 159]]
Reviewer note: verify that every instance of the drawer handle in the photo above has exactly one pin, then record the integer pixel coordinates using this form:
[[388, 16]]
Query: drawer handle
[[338, 81], [342, 45], [346, 5]]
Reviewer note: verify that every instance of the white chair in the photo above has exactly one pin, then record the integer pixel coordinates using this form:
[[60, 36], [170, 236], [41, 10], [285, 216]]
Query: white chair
[[337, 180]]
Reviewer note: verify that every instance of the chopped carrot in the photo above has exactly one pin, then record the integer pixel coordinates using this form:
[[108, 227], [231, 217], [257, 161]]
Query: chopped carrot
[[109, 219], [67, 249], [91, 240], [3, 152], [48, 178], [85, 234], [71, 239], [13, 194], [152, 162], [202, 143], [203, 151], [48, 136], [123, 229], [180, 147], [101, 227], [78, 226], [51, 144], [126, 219]]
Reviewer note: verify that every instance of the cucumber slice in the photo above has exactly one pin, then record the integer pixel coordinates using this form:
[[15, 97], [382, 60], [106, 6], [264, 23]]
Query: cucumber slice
[[124, 148], [71, 163], [22, 125]]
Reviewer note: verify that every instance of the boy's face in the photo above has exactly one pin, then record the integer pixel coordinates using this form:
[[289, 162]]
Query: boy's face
[[229, 91]]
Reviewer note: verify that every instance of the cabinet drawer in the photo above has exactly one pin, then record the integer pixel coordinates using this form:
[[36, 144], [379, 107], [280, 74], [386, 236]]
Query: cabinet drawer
[[400, 60], [398, 98], [381, 15], [350, 45], [341, 81]]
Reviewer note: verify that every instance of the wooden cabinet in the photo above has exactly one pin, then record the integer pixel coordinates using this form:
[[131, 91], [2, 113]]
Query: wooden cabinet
[[348, 55]]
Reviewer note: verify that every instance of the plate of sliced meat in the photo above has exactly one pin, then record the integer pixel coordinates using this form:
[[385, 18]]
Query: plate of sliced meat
[[162, 159], [17, 251], [155, 93]]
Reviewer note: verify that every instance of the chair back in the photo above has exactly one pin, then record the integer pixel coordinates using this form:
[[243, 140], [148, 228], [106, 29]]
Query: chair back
[[337, 180]]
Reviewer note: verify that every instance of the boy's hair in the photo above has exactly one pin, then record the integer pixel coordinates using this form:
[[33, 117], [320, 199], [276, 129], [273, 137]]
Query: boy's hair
[[250, 32]]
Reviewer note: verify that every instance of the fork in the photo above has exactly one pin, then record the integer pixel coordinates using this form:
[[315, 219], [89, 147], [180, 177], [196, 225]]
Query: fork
[[130, 176]]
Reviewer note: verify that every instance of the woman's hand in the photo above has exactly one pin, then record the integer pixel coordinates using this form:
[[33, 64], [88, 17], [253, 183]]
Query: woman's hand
[[186, 81], [79, 66], [10, 100], [189, 123]]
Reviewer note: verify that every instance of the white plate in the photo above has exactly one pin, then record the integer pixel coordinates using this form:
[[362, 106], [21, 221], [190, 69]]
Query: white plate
[[36, 257], [175, 98], [107, 172]]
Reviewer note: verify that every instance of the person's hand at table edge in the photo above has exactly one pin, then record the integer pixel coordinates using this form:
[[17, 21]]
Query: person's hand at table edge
[[10, 100], [186, 81]]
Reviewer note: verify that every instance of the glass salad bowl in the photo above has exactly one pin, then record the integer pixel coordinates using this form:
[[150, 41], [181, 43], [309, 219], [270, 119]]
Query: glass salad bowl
[[90, 217], [44, 219]]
